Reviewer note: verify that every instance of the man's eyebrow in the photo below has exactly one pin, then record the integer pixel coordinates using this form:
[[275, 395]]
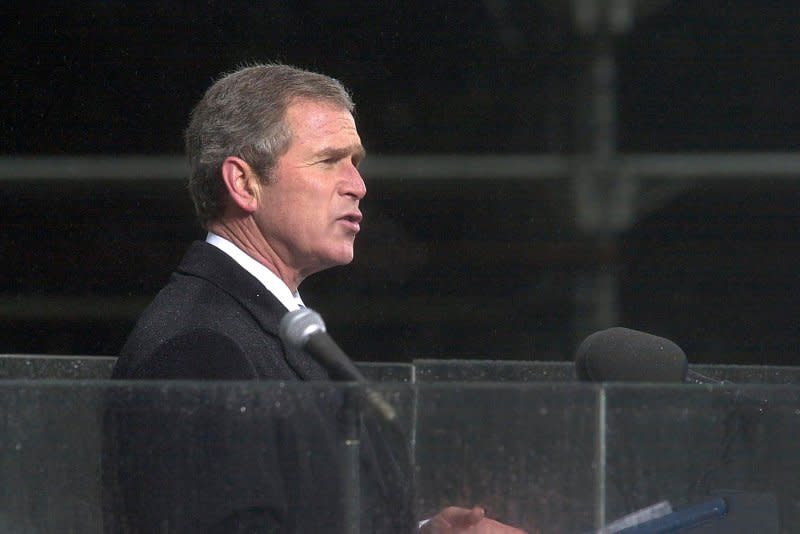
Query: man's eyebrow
[[356, 151]]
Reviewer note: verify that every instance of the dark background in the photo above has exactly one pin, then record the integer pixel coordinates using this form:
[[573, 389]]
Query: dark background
[[446, 266]]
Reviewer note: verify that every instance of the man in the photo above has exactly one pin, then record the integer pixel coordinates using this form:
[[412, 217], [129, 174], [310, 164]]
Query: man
[[274, 155]]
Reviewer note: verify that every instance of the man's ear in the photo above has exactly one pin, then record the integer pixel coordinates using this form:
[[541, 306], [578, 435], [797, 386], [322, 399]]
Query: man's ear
[[241, 182]]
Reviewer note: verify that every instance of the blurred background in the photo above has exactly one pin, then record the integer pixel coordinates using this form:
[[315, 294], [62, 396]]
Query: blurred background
[[538, 169]]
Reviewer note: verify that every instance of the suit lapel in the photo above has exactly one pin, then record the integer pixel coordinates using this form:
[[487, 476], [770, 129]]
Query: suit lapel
[[213, 265]]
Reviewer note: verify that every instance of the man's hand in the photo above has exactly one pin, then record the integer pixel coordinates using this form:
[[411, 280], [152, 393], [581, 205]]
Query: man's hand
[[455, 520]]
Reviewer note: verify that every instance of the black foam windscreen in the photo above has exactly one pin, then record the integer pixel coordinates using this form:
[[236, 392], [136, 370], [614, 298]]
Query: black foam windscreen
[[625, 355]]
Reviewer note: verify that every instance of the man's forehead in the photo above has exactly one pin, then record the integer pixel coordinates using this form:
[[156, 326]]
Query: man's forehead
[[304, 105], [323, 125]]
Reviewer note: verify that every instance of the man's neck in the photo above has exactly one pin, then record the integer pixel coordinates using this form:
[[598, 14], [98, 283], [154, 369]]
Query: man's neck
[[249, 240], [290, 299]]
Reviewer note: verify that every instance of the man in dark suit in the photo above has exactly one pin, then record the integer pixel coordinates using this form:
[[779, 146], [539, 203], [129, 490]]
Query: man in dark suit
[[274, 155]]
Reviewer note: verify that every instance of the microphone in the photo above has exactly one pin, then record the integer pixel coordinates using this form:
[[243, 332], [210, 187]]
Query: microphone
[[625, 355], [304, 329]]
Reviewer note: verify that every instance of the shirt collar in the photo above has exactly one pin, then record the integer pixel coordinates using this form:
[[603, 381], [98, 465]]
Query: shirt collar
[[270, 280]]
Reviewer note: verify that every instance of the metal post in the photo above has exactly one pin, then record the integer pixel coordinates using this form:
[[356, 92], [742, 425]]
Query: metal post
[[351, 464]]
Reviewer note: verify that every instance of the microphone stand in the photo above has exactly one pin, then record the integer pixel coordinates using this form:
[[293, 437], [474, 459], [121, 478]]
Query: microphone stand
[[304, 329], [351, 463], [358, 398]]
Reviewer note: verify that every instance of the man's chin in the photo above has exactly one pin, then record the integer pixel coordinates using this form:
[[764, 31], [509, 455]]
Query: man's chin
[[345, 254], [339, 259], [344, 260]]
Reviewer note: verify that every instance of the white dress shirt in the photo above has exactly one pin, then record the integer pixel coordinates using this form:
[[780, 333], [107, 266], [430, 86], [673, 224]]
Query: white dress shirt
[[268, 279]]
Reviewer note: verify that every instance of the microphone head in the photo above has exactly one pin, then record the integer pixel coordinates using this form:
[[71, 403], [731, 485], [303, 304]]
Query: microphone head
[[624, 355], [296, 327]]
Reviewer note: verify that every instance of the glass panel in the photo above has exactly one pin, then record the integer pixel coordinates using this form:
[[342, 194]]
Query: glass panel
[[27, 366], [685, 444], [427, 371], [186, 457], [24, 366], [750, 374], [78, 456], [526, 453], [386, 372], [492, 371]]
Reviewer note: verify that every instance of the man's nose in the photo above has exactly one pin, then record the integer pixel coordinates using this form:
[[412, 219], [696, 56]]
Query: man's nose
[[354, 184]]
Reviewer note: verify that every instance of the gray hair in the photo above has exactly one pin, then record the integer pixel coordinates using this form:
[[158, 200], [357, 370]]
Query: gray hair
[[242, 115]]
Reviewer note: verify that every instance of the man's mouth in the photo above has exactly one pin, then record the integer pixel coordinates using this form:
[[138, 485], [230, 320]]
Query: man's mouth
[[352, 220]]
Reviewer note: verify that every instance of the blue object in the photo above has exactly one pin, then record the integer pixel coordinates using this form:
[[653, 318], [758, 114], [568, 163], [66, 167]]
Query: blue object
[[691, 516]]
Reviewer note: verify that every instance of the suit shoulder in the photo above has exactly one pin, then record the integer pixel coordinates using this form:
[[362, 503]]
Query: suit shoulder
[[194, 353], [195, 328]]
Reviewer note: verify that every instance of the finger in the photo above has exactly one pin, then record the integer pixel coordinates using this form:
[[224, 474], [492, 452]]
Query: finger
[[437, 525], [467, 517]]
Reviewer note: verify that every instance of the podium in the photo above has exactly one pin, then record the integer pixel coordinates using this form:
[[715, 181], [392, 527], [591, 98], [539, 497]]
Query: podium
[[542, 451]]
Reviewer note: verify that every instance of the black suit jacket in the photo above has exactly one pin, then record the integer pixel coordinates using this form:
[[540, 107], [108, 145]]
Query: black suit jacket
[[213, 320], [257, 460]]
